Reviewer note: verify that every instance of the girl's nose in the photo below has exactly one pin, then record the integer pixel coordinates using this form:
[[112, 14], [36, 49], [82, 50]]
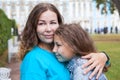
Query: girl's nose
[[54, 49]]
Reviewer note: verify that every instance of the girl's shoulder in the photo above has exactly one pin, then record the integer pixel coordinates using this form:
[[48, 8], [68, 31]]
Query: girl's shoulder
[[76, 62], [79, 61]]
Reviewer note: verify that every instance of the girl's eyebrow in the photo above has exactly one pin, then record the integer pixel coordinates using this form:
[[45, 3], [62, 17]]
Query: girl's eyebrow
[[56, 42]]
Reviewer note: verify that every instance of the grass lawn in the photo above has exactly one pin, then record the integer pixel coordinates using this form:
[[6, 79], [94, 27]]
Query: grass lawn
[[111, 45]]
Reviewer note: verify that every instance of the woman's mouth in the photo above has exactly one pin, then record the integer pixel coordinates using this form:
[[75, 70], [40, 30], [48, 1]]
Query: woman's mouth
[[49, 36]]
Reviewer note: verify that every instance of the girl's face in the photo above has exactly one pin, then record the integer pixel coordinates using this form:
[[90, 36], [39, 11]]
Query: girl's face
[[62, 50], [47, 25]]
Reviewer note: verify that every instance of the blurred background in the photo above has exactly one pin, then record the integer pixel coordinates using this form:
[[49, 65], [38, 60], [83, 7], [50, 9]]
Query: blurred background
[[86, 12], [100, 18]]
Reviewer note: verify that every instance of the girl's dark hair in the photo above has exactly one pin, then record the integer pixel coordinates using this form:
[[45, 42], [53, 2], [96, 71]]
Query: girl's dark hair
[[29, 35], [77, 38]]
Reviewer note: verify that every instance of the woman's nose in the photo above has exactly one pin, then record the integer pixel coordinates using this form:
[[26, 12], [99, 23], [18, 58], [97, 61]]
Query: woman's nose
[[48, 27]]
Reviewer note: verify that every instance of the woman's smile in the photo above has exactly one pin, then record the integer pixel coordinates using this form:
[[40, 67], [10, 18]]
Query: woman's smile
[[49, 36]]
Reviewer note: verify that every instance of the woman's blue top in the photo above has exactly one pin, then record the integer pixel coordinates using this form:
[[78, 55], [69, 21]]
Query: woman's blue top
[[40, 64]]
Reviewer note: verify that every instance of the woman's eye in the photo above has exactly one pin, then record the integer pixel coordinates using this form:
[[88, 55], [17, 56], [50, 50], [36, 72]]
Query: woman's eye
[[41, 23], [53, 23]]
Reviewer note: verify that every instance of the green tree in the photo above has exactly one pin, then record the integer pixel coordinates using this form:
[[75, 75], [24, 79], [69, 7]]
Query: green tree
[[5, 30], [114, 4]]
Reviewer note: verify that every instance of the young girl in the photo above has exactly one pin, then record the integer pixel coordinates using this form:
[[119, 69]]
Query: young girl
[[72, 42]]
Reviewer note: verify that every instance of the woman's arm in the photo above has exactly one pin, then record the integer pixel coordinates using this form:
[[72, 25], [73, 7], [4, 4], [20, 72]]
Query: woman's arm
[[96, 62]]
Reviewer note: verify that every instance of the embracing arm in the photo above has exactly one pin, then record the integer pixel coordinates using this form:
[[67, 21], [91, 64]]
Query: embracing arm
[[96, 62]]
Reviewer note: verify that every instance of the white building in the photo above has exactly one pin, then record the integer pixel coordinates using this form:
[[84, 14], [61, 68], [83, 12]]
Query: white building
[[83, 11]]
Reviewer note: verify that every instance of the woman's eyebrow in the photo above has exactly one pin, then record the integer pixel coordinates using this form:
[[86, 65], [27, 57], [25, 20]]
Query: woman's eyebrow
[[42, 20]]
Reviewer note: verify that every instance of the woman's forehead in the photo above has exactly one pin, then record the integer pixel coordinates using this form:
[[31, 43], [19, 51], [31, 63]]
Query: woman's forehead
[[48, 15]]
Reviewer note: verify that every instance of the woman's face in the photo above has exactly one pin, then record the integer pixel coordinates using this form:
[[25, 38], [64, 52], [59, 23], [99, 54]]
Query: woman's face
[[62, 50], [46, 26]]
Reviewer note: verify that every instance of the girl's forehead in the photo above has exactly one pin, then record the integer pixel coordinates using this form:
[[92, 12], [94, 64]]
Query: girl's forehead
[[56, 37], [60, 39]]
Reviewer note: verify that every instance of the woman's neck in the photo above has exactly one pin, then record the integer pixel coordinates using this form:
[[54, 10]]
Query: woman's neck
[[45, 46]]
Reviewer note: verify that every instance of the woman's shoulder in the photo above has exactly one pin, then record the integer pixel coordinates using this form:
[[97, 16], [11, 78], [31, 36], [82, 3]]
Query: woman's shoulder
[[39, 54], [37, 51], [34, 57], [33, 54]]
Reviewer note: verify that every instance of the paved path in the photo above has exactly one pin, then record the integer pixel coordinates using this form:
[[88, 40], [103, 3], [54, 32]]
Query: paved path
[[14, 65]]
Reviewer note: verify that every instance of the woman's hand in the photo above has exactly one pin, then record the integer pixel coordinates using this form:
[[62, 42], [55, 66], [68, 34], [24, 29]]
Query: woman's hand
[[97, 62]]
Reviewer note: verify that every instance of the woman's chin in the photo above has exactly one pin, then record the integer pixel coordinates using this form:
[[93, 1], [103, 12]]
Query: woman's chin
[[48, 41]]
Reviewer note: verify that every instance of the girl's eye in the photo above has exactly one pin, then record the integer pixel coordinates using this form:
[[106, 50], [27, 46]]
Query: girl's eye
[[58, 44]]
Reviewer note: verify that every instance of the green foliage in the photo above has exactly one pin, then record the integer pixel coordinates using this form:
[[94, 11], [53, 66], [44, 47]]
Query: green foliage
[[105, 2], [5, 30]]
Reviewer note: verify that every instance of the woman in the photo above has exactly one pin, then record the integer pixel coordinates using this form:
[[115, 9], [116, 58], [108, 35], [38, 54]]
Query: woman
[[70, 43], [38, 61]]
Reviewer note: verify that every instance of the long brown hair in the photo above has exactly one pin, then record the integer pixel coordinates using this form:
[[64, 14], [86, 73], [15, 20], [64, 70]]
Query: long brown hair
[[29, 35], [77, 38]]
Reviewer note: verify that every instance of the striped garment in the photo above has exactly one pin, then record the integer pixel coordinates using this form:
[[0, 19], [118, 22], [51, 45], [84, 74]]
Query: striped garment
[[76, 71]]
